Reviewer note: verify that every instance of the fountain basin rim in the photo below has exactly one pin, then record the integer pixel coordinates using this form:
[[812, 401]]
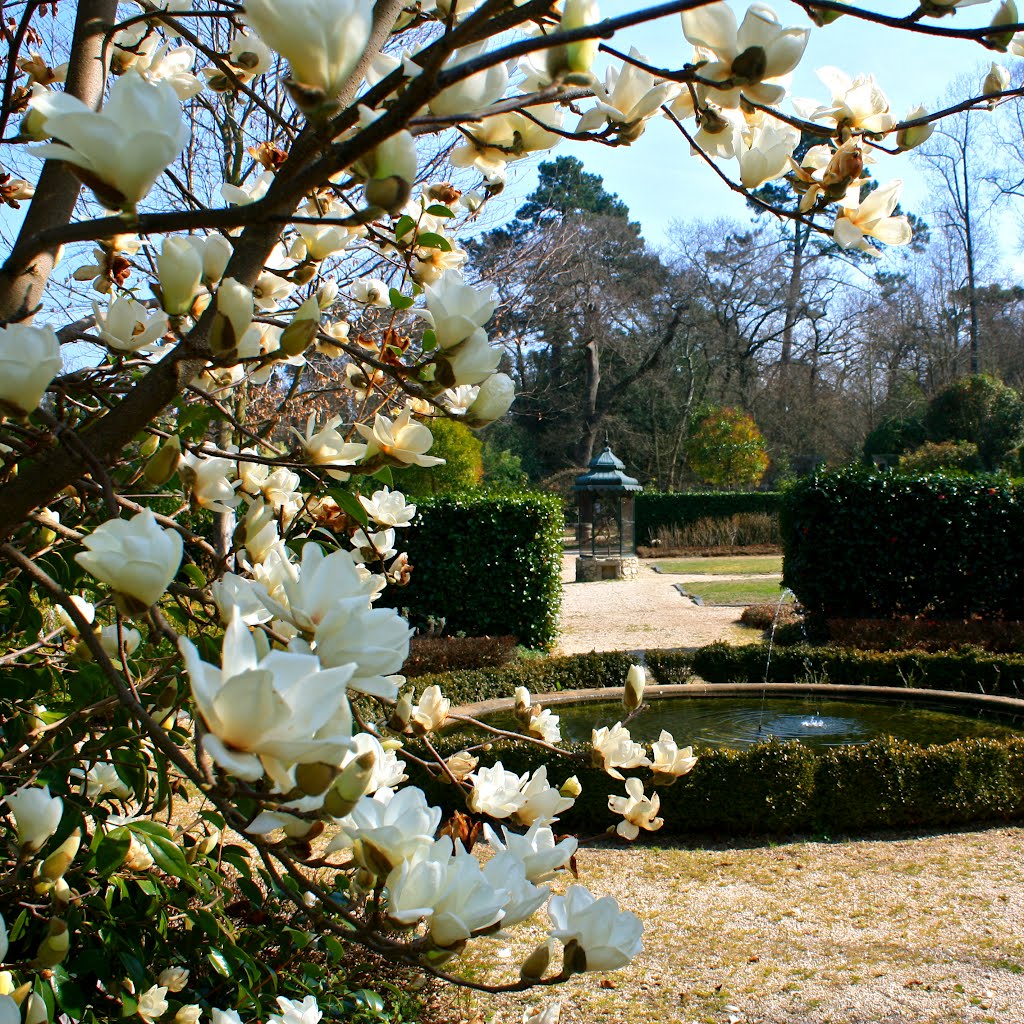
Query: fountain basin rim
[[881, 694]]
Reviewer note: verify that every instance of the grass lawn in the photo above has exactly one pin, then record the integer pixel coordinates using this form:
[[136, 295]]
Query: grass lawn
[[738, 592], [724, 566]]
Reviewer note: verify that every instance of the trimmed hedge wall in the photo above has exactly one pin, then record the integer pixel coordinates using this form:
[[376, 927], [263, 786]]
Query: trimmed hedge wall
[[549, 675], [780, 788], [967, 671], [657, 510], [859, 544], [490, 565]]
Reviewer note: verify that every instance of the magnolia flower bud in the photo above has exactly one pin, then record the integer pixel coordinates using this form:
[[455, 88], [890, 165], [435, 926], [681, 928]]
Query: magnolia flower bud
[[633, 692], [138, 857], [1006, 15], [61, 859], [180, 269], [402, 713], [164, 464], [299, 334], [350, 785], [235, 309], [996, 81], [390, 193], [54, 947], [35, 1010], [909, 138], [574, 959], [29, 359], [191, 1013], [371, 858], [571, 788], [314, 778], [536, 963]]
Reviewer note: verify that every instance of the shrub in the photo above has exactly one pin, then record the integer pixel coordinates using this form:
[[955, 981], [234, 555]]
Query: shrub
[[779, 788], [446, 653], [746, 529], [726, 449], [874, 545], [656, 511], [926, 634], [765, 616], [940, 457], [463, 467], [968, 671], [487, 564]]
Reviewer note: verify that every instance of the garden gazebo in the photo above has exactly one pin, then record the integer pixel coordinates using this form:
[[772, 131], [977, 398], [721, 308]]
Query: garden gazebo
[[606, 535]]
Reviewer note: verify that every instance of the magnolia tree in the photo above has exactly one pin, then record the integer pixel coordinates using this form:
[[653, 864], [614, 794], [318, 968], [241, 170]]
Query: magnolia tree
[[227, 213]]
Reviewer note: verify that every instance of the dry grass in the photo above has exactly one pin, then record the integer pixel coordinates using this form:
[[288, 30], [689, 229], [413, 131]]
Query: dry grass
[[891, 930]]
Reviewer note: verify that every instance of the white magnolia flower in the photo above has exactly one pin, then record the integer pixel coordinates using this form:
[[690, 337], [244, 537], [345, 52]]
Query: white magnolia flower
[[608, 937], [128, 326], [322, 40], [136, 557], [294, 1012], [321, 240], [36, 815], [371, 291], [241, 195], [248, 596], [10, 1012], [402, 440], [523, 899], [389, 827], [388, 768], [550, 1014], [447, 888], [29, 359], [669, 760], [110, 641], [224, 1017], [872, 217], [541, 856], [3, 939], [630, 97], [388, 508], [121, 150], [85, 608], [190, 1013], [174, 979], [614, 748], [909, 138], [102, 779], [457, 310], [633, 691], [472, 361], [327, 447], [474, 93], [374, 640], [493, 399], [766, 152], [996, 81], [749, 56], [431, 710], [540, 803], [502, 139], [171, 66], [544, 725], [638, 811], [856, 103], [496, 791], [152, 1003], [208, 480], [249, 56], [270, 713], [235, 303]]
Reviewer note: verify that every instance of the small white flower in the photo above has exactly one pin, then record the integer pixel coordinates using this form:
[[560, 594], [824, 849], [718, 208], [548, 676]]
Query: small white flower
[[152, 1003], [388, 508], [431, 710], [638, 811], [401, 440], [29, 359], [36, 815], [608, 937], [669, 760], [542, 857], [128, 326], [614, 748]]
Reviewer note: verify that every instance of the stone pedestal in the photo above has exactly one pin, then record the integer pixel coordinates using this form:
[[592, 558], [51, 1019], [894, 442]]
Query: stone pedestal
[[626, 567]]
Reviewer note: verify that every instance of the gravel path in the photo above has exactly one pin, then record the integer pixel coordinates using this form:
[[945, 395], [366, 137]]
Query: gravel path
[[645, 613]]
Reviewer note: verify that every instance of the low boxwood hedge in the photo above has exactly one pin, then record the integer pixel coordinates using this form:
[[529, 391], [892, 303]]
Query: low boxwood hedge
[[549, 675], [783, 788], [966, 671]]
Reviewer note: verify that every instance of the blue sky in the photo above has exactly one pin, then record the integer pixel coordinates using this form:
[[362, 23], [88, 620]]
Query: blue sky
[[661, 182]]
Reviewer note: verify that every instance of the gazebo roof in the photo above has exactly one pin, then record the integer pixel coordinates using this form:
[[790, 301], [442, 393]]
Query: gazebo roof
[[606, 474]]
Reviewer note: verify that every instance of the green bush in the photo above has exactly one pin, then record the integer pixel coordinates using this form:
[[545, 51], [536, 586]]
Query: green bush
[[967, 671], [870, 545], [489, 565], [657, 511]]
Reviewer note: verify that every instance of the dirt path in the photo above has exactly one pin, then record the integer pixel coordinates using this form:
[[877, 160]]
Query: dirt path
[[645, 613]]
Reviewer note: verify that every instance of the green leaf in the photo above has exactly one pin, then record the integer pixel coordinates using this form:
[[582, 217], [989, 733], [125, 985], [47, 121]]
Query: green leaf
[[429, 342], [437, 210], [219, 962], [398, 300], [385, 476], [404, 226], [432, 240], [350, 505], [195, 575], [167, 856], [112, 850]]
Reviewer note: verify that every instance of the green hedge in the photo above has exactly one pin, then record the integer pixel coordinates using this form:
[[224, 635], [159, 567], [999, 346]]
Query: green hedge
[[966, 671], [654, 511], [858, 544], [549, 675], [490, 565], [782, 788]]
